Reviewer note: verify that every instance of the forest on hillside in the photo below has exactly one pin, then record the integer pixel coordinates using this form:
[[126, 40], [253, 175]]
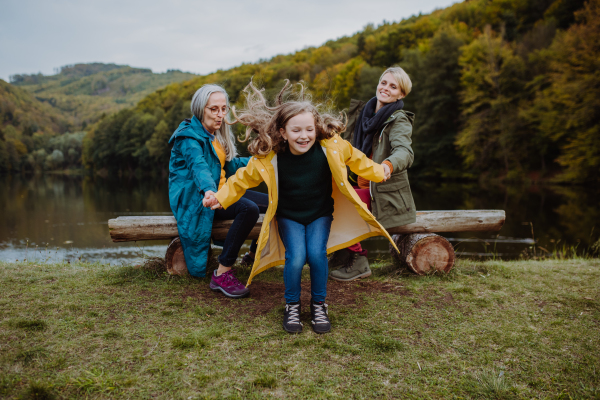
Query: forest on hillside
[[27, 129], [502, 89], [43, 118], [86, 92]]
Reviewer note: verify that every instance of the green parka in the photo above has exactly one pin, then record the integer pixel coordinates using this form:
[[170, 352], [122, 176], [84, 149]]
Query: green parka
[[392, 202]]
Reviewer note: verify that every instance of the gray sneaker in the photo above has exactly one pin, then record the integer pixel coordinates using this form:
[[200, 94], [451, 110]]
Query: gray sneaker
[[357, 267], [339, 258]]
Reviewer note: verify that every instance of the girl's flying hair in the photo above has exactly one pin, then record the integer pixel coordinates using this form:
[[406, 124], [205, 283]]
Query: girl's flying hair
[[264, 122]]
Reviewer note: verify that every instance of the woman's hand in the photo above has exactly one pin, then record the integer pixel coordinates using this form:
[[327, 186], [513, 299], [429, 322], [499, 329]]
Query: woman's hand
[[387, 172], [210, 200]]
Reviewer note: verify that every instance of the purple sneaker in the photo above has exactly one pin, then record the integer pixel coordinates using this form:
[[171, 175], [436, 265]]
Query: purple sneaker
[[228, 284]]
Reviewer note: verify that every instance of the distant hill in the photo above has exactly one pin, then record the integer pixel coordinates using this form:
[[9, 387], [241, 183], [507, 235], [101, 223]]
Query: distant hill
[[21, 110], [85, 92], [43, 117], [26, 125]]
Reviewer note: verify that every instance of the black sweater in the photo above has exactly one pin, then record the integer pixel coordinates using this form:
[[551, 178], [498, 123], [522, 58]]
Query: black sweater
[[305, 185]]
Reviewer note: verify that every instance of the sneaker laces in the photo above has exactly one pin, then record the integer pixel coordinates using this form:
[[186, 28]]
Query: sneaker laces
[[320, 314], [229, 278], [293, 313]]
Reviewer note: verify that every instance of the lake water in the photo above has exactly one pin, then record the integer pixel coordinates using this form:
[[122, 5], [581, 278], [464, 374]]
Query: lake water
[[59, 218]]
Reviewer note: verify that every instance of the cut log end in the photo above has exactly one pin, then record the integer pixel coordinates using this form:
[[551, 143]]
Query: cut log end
[[424, 253], [174, 259]]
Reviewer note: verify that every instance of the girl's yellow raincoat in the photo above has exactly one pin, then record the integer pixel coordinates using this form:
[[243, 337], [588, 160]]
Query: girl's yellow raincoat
[[352, 220]]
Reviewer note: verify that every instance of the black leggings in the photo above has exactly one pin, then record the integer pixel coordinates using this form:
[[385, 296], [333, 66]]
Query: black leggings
[[244, 214]]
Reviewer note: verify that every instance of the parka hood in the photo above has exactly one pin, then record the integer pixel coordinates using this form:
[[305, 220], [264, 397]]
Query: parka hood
[[191, 128], [409, 115]]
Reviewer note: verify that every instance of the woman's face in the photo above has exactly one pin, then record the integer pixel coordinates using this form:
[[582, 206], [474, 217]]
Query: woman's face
[[216, 102], [300, 133], [388, 90]]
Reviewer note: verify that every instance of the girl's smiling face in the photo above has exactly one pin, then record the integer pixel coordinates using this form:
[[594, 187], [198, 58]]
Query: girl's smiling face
[[300, 132]]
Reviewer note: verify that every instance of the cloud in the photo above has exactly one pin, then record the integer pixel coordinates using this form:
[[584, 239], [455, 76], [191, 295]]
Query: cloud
[[193, 36]]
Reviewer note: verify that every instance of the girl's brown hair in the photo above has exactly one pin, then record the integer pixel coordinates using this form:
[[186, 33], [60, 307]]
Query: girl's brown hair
[[263, 123]]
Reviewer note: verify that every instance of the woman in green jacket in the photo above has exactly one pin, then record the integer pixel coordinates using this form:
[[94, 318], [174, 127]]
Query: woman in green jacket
[[381, 129]]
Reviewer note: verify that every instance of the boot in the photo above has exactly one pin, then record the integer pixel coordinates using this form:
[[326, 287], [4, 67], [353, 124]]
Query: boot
[[291, 318], [339, 259], [319, 317], [356, 267]]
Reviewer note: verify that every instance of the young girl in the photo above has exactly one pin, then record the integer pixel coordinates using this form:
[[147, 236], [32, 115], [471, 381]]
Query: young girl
[[313, 210]]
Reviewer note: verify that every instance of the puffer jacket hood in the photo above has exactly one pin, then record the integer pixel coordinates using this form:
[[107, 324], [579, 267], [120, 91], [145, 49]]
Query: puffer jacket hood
[[191, 128]]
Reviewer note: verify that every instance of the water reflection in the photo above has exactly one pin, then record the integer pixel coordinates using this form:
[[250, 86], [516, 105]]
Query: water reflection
[[58, 217]]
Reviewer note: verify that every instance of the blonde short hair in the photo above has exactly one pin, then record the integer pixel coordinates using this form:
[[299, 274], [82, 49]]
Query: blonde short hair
[[401, 76]]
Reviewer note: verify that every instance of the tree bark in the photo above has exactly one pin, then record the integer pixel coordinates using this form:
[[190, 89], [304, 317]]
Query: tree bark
[[127, 229], [424, 253]]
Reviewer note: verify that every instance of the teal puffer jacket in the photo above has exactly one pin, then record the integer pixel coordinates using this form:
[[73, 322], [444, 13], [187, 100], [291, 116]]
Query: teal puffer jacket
[[194, 168]]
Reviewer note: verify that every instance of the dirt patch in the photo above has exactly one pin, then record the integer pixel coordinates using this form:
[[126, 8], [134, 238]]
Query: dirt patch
[[265, 296]]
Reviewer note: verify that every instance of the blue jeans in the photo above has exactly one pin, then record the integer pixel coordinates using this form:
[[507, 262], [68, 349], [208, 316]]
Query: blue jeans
[[305, 243], [244, 214]]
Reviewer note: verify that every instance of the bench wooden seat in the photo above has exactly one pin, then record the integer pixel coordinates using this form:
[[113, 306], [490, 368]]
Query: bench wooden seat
[[421, 250]]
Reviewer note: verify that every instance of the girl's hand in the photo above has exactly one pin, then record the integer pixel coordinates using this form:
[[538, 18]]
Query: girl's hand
[[387, 172], [217, 205]]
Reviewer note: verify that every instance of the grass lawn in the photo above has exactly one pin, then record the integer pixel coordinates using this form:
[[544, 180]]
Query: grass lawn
[[488, 330]]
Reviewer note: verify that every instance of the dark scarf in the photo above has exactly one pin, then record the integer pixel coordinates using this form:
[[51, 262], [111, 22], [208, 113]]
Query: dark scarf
[[369, 123]]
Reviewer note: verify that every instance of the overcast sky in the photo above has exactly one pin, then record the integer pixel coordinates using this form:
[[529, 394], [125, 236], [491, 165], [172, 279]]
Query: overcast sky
[[196, 36]]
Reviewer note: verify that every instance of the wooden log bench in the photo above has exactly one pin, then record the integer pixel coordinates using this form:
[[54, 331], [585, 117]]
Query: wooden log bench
[[421, 250]]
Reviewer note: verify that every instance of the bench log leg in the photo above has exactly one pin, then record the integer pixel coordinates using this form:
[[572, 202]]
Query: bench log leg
[[423, 253], [174, 259]]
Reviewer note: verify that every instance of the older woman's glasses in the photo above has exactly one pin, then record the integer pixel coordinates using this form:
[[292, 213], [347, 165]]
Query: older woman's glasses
[[216, 110]]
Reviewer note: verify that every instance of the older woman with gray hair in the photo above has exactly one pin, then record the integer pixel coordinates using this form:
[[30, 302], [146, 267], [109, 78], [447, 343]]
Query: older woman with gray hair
[[202, 157]]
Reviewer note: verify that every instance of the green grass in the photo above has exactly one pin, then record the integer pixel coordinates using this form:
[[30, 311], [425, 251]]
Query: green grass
[[487, 330]]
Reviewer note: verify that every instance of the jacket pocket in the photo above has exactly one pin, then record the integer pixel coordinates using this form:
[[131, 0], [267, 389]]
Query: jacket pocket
[[391, 187], [394, 198]]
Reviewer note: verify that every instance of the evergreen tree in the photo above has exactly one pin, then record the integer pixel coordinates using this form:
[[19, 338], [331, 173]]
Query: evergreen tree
[[435, 100], [491, 84], [570, 108]]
